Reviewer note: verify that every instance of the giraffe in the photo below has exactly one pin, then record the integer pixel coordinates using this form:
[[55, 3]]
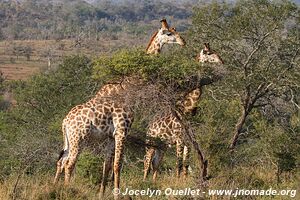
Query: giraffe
[[168, 128], [208, 55], [105, 119], [164, 35]]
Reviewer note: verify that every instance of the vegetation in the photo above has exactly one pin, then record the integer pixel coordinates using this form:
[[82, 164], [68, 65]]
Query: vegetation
[[247, 124], [32, 41], [80, 19]]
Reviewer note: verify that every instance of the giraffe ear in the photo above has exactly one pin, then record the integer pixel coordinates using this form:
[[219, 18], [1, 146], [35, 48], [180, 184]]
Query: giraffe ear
[[173, 29], [164, 24]]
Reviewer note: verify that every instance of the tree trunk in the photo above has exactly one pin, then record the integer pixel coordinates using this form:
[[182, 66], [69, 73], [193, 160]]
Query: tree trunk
[[238, 128], [190, 136], [200, 155]]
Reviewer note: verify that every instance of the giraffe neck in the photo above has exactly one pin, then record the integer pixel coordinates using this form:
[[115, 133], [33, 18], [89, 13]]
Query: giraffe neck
[[113, 89], [191, 100], [154, 47], [155, 44], [109, 90]]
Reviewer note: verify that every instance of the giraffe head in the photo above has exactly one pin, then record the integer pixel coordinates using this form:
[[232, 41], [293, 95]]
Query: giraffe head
[[164, 35], [208, 55]]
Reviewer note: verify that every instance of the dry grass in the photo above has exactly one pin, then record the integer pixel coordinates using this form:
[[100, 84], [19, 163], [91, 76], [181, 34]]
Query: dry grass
[[20, 71], [18, 67], [40, 187]]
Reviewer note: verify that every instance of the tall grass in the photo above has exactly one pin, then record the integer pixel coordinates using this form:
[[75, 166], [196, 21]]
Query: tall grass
[[40, 187]]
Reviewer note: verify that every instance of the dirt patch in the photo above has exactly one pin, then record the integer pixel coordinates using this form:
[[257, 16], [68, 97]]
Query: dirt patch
[[16, 65], [18, 71]]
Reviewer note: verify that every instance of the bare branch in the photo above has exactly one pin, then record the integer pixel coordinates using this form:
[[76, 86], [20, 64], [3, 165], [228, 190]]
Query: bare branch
[[290, 65], [213, 96], [292, 99], [260, 105], [260, 94], [259, 44]]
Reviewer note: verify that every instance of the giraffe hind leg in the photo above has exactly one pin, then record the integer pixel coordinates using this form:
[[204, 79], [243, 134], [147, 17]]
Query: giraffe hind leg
[[70, 161], [59, 165], [119, 150], [179, 154], [107, 166]]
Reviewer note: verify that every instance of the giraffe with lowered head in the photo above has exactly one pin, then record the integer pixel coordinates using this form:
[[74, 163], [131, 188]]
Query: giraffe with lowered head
[[169, 129]]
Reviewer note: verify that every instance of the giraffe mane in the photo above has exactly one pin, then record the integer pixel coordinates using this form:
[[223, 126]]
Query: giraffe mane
[[151, 40]]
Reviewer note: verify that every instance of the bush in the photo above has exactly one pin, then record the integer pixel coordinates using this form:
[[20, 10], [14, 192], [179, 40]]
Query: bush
[[34, 128]]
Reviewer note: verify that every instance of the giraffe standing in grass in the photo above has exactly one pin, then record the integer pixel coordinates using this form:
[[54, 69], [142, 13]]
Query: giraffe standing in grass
[[106, 119], [169, 129]]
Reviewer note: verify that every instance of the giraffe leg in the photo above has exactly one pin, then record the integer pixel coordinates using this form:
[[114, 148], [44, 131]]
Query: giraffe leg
[[119, 150], [62, 156], [179, 154], [59, 166], [112, 174], [147, 160], [71, 161], [186, 157], [159, 154], [107, 166]]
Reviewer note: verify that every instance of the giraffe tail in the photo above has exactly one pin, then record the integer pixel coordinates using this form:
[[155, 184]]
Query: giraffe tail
[[61, 154], [64, 151]]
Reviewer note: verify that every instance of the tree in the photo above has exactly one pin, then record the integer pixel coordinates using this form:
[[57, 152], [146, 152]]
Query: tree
[[259, 41]]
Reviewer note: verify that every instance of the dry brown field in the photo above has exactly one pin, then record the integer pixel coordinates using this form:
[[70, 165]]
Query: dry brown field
[[16, 66]]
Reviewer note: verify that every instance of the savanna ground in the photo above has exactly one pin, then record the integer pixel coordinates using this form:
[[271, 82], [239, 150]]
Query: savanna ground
[[17, 66]]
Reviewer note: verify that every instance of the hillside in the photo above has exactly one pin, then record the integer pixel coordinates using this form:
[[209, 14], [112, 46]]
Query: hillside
[[68, 27], [69, 19]]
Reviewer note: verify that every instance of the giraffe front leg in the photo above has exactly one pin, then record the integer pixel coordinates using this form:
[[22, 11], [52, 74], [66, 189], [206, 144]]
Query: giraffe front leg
[[186, 157], [179, 154], [147, 161], [107, 166], [119, 150]]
